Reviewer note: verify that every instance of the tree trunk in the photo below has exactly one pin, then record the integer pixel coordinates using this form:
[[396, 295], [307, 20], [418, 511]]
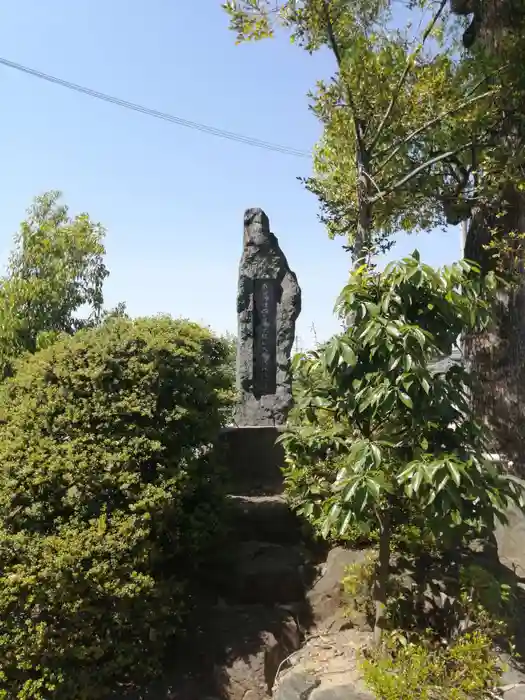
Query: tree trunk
[[498, 356], [380, 585], [364, 221]]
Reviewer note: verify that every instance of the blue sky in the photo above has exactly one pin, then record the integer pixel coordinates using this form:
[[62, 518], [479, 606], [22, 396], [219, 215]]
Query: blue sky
[[172, 199]]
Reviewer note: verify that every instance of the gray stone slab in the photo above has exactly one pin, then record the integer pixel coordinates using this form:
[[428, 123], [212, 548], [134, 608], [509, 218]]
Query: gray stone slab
[[268, 304]]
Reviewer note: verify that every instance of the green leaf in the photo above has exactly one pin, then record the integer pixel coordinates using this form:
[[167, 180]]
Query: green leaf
[[417, 480], [374, 488], [346, 522], [443, 483], [405, 398], [367, 401], [351, 491], [331, 352], [394, 362], [454, 472], [393, 330], [348, 354], [342, 474], [406, 473], [376, 453]]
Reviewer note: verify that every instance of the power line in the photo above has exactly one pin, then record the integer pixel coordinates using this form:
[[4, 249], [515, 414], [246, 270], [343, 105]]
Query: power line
[[232, 136]]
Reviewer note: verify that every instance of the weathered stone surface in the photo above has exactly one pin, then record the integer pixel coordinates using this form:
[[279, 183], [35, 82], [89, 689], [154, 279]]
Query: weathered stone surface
[[254, 459], [512, 691], [325, 597], [511, 542], [326, 668], [268, 304], [296, 686], [233, 653], [341, 692], [261, 639], [267, 573], [512, 684]]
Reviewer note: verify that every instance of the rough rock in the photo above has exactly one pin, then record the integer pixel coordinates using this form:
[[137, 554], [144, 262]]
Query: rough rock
[[340, 692], [326, 668], [325, 597], [267, 573], [510, 539], [234, 653], [268, 304], [296, 686], [253, 459], [265, 637], [512, 684], [513, 692]]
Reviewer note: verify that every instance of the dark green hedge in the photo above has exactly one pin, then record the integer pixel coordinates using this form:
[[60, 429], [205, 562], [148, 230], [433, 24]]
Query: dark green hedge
[[109, 499]]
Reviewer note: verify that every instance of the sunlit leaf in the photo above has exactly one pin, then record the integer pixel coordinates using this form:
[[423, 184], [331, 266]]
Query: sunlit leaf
[[405, 398]]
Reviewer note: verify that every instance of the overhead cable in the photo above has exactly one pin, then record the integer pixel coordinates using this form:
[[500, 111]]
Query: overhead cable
[[213, 131]]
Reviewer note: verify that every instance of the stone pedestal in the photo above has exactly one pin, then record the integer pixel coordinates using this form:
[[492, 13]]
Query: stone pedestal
[[253, 460]]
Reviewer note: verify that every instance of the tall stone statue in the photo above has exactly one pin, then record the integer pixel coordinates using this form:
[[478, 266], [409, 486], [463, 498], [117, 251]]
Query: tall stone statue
[[268, 304]]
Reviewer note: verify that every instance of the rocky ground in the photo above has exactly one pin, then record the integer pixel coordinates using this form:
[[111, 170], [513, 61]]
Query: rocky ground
[[273, 623]]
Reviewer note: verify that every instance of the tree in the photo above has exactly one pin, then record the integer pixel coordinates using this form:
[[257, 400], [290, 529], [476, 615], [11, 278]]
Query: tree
[[447, 126], [54, 278], [397, 116], [401, 434]]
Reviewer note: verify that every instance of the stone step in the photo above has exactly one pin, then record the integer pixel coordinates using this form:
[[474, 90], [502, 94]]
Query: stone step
[[253, 460], [264, 573], [231, 651], [264, 518]]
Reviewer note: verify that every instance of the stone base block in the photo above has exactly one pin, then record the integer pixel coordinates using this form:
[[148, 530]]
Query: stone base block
[[253, 460]]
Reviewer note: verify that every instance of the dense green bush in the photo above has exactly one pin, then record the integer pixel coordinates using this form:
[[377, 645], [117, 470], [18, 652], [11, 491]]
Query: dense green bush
[[467, 669], [230, 342], [109, 499]]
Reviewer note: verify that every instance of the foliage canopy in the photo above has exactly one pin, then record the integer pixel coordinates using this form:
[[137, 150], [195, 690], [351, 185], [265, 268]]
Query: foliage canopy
[[409, 122], [54, 278]]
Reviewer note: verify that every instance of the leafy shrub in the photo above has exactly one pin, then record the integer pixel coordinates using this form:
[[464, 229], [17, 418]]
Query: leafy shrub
[[109, 500], [463, 670], [420, 656], [438, 598], [384, 434], [357, 587], [230, 365]]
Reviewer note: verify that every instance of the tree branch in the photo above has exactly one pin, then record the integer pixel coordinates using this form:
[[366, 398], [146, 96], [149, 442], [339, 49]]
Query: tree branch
[[430, 123], [349, 95], [409, 64], [413, 173]]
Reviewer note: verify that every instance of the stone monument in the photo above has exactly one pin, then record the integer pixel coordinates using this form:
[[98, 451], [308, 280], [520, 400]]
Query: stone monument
[[268, 304]]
